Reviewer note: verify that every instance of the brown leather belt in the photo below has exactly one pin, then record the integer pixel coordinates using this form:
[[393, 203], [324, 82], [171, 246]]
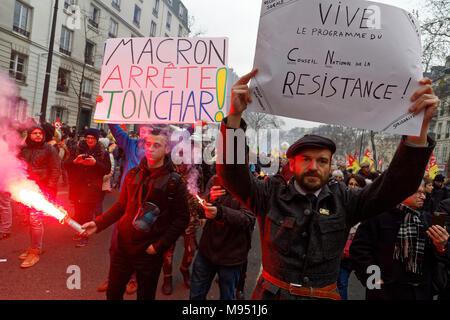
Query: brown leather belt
[[299, 290]]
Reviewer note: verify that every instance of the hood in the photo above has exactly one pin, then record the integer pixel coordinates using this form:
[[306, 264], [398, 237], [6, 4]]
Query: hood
[[31, 143]]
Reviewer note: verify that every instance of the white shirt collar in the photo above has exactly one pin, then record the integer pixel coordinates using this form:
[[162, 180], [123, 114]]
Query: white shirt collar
[[300, 190]]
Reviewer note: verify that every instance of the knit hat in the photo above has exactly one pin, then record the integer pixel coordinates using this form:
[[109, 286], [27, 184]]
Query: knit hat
[[93, 132]]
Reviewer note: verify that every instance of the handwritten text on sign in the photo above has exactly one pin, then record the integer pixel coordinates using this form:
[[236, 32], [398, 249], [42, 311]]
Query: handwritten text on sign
[[354, 63], [163, 80]]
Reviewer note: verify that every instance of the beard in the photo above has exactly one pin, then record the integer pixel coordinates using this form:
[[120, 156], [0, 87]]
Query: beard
[[310, 181]]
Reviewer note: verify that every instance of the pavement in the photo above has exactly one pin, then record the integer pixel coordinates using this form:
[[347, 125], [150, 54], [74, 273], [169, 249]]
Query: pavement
[[53, 277]]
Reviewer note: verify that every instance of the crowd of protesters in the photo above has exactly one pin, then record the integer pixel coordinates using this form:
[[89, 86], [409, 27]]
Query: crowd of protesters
[[317, 220]]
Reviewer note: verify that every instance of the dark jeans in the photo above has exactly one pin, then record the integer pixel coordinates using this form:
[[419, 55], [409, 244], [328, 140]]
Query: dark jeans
[[242, 277], [203, 273], [190, 247], [147, 268], [342, 282]]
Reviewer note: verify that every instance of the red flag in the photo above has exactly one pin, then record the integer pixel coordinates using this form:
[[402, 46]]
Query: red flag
[[57, 124]]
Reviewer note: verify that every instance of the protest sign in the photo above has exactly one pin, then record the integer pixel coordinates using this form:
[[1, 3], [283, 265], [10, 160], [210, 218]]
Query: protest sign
[[162, 80], [354, 63]]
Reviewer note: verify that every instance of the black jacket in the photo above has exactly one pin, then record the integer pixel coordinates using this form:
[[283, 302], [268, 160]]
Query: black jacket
[[438, 195], [302, 244], [86, 181], [226, 240], [374, 245], [135, 191], [44, 165]]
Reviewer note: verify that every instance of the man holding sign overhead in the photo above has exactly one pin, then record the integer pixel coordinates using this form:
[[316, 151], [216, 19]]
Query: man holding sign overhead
[[304, 225]]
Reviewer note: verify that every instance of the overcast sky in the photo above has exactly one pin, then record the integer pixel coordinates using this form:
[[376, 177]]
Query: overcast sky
[[238, 20]]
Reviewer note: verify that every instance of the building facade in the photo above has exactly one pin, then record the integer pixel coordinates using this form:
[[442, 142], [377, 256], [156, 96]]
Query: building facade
[[81, 29], [440, 126]]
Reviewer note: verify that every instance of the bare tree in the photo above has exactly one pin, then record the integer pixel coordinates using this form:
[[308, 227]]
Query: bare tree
[[435, 32], [80, 76]]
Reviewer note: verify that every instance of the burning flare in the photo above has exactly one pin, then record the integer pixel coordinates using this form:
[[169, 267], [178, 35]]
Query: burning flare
[[202, 201], [25, 192]]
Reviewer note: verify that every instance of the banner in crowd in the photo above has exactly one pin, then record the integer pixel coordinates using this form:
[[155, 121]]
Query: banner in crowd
[[369, 158], [352, 163], [162, 80], [350, 62], [432, 168]]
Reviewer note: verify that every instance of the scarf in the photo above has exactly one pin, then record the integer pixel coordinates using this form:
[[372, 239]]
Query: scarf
[[410, 243]]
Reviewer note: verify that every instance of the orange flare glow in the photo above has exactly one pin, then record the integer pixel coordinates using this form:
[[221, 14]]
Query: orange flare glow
[[202, 201], [26, 194]]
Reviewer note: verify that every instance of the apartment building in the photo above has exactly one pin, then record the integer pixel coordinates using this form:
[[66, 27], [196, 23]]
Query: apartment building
[[81, 29]]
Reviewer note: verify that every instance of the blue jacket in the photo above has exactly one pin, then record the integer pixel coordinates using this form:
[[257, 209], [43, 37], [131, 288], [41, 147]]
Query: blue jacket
[[133, 148]]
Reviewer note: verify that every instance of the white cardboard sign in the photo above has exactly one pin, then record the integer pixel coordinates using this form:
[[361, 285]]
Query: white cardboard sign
[[349, 62]]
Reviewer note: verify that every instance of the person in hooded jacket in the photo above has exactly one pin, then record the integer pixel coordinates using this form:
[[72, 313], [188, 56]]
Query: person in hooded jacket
[[152, 212], [87, 167], [44, 169]]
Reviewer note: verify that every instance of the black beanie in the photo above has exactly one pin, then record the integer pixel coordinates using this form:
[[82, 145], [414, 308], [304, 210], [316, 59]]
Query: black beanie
[[93, 132]]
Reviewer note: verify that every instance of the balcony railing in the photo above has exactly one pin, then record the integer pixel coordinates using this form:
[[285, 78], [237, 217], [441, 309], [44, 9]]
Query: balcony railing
[[62, 88], [18, 76], [65, 51], [86, 95], [115, 5], [21, 31], [89, 61], [93, 23]]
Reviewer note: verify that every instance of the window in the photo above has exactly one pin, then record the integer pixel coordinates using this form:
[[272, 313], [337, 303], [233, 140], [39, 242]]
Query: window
[[444, 155], [116, 4], [438, 131], [94, 16], [86, 88], [137, 15], [153, 29], [156, 8], [113, 26], [180, 31], [89, 53], [63, 80], [181, 11], [447, 132], [17, 66], [65, 41], [21, 17], [60, 113], [68, 3], [169, 19]]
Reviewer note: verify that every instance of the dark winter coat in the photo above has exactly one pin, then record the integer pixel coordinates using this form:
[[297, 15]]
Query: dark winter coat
[[374, 245], [135, 191], [226, 240], [438, 195], [86, 181], [44, 165], [302, 244]]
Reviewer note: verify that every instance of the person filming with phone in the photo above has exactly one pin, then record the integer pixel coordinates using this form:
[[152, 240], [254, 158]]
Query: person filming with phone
[[410, 249]]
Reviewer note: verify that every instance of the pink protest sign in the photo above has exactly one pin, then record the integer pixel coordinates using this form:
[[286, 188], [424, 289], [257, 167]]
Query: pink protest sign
[[163, 80]]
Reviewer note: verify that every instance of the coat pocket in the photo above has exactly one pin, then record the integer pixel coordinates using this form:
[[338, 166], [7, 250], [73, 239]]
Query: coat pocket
[[333, 234], [282, 232]]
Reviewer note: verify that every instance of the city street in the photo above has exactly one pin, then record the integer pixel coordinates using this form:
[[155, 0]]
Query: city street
[[47, 280]]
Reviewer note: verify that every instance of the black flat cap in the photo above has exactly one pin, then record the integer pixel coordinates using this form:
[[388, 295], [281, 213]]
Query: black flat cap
[[311, 141]]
